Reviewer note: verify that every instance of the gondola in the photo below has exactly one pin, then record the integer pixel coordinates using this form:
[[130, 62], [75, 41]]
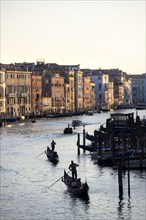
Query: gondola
[[33, 120], [76, 123], [75, 186], [88, 147], [68, 130], [52, 155]]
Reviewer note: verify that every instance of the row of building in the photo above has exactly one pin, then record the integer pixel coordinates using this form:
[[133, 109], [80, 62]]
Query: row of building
[[27, 88]]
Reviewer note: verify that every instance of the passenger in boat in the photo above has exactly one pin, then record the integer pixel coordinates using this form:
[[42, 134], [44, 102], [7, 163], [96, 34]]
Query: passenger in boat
[[73, 169], [48, 149], [79, 182], [74, 184], [53, 145]]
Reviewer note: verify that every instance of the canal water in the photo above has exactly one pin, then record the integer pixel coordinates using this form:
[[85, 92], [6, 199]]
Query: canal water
[[25, 178]]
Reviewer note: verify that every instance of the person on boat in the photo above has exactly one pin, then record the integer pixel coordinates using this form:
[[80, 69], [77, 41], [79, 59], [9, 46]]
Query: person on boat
[[48, 149], [53, 145], [72, 168]]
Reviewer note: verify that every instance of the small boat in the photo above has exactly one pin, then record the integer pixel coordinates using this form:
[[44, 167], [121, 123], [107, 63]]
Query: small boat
[[76, 123], [89, 113], [75, 186], [33, 120], [89, 137], [68, 130], [10, 119], [52, 155], [104, 108], [88, 147]]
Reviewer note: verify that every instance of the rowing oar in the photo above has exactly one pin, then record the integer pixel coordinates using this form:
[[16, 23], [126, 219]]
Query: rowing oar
[[56, 181], [40, 154]]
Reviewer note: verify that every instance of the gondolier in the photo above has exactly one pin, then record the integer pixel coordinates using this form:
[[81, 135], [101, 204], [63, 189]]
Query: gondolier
[[73, 169], [75, 186], [53, 145], [52, 155]]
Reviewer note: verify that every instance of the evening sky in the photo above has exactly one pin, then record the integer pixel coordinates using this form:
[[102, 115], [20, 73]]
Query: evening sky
[[94, 34]]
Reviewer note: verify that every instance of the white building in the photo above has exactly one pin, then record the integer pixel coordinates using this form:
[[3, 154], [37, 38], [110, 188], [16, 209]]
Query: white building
[[101, 88]]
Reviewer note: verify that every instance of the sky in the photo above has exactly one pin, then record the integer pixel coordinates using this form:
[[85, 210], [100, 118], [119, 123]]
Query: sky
[[95, 34]]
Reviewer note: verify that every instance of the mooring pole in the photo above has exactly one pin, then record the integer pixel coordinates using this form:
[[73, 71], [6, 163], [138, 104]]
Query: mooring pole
[[78, 144], [84, 142], [120, 181]]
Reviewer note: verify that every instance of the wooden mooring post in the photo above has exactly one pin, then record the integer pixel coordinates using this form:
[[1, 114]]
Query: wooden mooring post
[[120, 180], [78, 144], [84, 138]]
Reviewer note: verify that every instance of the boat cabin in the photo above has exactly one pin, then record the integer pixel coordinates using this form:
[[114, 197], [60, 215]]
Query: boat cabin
[[121, 119]]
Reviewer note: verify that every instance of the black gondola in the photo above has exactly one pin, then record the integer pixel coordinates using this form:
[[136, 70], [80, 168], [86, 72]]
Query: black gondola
[[33, 120], [68, 131], [75, 186], [52, 155]]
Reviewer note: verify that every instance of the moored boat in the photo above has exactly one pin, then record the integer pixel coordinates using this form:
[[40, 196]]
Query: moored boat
[[76, 123], [52, 155], [10, 119], [89, 113], [76, 187], [68, 130], [88, 147], [89, 137], [33, 120]]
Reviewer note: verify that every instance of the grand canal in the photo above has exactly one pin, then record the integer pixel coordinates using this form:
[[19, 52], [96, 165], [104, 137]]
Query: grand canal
[[25, 178]]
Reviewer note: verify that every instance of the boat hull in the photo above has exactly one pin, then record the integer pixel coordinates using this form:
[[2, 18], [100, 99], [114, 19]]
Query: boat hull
[[88, 148], [52, 156], [68, 131], [75, 186]]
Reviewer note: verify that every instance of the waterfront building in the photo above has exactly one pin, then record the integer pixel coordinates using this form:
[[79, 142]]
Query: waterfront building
[[67, 97], [117, 77], [127, 92], [2, 93], [138, 88], [101, 81], [36, 93], [110, 88], [72, 90], [87, 93], [18, 89], [92, 95], [78, 88], [57, 94], [46, 93]]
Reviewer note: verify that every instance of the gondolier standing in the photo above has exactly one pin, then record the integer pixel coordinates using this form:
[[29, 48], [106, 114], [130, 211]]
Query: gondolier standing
[[73, 169], [53, 145]]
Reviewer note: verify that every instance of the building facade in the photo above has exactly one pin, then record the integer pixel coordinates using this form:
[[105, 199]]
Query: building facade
[[57, 94], [18, 90], [101, 81], [36, 93], [2, 93], [78, 88], [138, 88]]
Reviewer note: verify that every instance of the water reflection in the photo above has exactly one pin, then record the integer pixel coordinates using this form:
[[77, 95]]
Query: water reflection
[[53, 163], [121, 209], [85, 199]]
